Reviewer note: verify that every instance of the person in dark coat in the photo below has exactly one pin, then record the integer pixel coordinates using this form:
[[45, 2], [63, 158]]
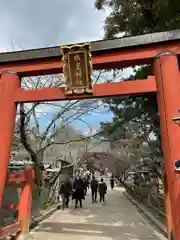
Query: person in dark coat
[[94, 189], [78, 194], [66, 192], [102, 188], [86, 185], [112, 182], [88, 176]]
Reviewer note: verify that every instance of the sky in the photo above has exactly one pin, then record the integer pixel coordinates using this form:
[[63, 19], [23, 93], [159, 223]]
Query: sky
[[42, 23]]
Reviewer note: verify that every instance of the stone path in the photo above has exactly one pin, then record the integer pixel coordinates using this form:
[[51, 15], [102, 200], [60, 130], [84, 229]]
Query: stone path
[[116, 220]]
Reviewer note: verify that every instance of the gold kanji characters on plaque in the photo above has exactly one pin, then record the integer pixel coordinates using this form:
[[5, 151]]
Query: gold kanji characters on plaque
[[77, 68]]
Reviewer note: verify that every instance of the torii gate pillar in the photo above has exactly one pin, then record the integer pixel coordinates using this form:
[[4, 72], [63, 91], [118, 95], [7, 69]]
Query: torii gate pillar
[[168, 95], [9, 83]]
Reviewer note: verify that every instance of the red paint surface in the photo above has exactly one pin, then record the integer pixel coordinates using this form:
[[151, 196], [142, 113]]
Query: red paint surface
[[168, 93]]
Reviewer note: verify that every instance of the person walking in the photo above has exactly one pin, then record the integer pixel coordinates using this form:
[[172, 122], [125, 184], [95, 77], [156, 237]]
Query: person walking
[[112, 182], [88, 175], [92, 173], [78, 194], [102, 188], [66, 192], [86, 184], [94, 189]]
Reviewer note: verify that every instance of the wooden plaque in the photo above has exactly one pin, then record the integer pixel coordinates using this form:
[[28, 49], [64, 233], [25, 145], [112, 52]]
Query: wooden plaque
[[77, 68]]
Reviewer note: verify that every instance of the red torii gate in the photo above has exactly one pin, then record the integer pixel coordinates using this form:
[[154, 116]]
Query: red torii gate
[[162, 48]]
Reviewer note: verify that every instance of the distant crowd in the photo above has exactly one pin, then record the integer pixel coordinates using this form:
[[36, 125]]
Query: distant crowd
[[78, 189]]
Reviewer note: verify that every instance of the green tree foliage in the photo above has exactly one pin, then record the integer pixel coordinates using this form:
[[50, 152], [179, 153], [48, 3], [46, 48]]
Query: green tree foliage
[[135, 114], [138, 113], [135, 17]]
